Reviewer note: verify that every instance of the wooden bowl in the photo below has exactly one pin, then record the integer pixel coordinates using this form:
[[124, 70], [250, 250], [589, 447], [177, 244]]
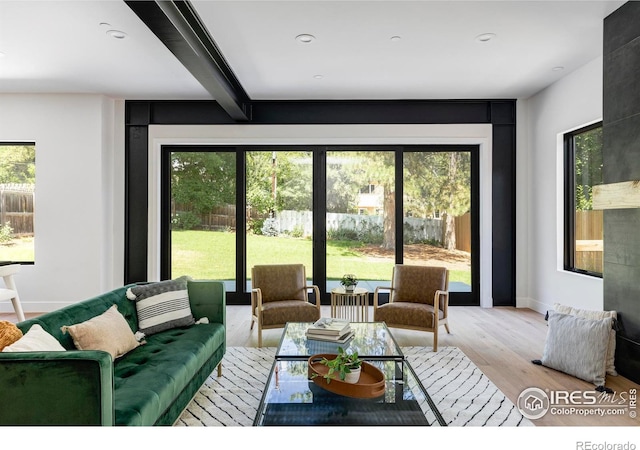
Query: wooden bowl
[[370, 385]]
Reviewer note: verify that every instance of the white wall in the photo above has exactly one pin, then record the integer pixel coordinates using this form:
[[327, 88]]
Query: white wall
[[79, 195], [570, 103], [80, 188]]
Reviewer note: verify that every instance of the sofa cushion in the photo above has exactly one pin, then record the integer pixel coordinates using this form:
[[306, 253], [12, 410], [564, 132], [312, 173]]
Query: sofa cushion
[[108, 332], [148, 379], [162, 305], [35, 340], [9, 333], [53, 321]]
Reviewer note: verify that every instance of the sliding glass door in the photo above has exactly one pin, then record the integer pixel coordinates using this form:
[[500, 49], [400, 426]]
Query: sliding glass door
[[337, 210], [360, 216], [279, 210], [437, 213], [202, 214]]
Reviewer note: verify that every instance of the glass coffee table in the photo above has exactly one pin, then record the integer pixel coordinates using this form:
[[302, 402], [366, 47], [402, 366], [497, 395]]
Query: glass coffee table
[[372, 341], [290, 398]]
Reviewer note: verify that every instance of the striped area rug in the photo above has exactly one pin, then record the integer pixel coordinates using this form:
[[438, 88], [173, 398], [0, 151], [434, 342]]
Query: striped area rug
[[462, 393]]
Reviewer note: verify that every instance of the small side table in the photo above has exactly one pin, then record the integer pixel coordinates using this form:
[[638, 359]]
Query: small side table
[[353, 305]]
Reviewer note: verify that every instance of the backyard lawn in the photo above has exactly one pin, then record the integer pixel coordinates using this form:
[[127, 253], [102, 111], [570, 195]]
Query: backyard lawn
[[211, 255]]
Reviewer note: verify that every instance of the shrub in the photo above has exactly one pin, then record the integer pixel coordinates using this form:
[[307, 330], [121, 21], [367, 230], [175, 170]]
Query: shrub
[[6, 233], [255, 226], [370, 233], [297, 231], [185, 221], [342, 234], [270, 227]]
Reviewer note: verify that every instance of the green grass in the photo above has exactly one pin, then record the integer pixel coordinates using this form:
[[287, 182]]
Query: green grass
[[211, 255], [20, 250]]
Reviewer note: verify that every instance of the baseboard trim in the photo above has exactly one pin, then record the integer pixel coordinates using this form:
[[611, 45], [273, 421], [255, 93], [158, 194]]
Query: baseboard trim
[[528, 302], [33, 307]]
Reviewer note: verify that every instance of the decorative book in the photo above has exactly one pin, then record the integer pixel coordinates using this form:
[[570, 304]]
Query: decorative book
[[329, 326]]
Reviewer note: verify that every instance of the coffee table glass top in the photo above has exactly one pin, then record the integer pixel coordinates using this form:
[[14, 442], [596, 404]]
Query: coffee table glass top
[[372, 340], [291, 399]]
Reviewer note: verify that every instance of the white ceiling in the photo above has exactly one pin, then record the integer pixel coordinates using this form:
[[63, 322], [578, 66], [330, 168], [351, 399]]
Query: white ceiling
[[62, 47]]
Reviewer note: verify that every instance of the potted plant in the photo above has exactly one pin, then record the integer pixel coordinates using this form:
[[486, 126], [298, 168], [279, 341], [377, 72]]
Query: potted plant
[[345, 366], [349, 281]]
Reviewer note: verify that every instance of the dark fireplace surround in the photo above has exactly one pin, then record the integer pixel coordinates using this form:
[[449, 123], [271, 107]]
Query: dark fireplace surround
[[621, 163]]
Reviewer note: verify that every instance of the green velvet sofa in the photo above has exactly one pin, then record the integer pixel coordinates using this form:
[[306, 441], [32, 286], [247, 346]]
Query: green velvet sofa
[[150, 385]]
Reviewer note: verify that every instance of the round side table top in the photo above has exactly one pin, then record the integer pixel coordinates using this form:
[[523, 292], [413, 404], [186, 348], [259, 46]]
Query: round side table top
[[343, 291]]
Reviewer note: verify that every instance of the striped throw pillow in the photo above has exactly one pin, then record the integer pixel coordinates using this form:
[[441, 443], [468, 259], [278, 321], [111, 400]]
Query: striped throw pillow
[[162, 305]]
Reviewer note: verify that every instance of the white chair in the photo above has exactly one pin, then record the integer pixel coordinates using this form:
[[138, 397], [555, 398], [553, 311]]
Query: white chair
[[11, 293]]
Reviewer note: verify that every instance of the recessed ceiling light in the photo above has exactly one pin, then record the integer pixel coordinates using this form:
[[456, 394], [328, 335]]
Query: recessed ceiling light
[[117, 34], [558, 68], [318, 77], [485, 37], [305, 38], [395, 38]]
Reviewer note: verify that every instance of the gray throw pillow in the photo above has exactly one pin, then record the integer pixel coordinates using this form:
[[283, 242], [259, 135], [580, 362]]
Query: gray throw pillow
[[162, 305], [594, 315], [577, 346]]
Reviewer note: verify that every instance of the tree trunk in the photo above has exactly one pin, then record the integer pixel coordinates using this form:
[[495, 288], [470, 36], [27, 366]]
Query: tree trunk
[[448, 231], [389, 215]]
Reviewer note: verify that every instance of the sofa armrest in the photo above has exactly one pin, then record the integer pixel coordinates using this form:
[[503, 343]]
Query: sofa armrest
[[56, 388], [208, 299]]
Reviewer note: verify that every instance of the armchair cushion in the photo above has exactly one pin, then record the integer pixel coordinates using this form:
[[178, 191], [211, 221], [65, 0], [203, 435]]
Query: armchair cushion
[[417, 285], [277, 313], [280, 282], [409, 314]]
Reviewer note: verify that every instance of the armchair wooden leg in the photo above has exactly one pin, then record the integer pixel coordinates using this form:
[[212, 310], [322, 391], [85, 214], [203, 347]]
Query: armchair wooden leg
[[252, 322], [446, 327], [435, 341], [220, 369], [259, 336]]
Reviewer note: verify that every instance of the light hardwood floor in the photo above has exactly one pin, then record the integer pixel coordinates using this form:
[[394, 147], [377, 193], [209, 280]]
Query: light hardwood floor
[[500, 341]]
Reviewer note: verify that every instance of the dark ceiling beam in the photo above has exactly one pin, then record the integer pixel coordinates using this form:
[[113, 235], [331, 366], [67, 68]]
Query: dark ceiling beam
[[178, 26]]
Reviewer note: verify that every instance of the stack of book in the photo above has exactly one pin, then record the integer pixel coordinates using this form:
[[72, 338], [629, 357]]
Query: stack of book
[[330, 329]]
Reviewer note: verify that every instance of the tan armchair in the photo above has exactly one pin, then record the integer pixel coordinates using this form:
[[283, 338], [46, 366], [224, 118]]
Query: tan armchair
[[413, 293], [280, 294]]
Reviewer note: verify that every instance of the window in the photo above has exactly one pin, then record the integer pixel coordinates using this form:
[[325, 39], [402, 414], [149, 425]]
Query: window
[[336, 209], [17, 192], [583, 225]]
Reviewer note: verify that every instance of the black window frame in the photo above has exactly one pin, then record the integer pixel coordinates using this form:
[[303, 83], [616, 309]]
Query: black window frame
[[241, 296], [32, 144], [569, 200]]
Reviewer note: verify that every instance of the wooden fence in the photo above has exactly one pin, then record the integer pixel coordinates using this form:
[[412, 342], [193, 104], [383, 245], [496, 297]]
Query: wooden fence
[[463, 232], [589, 246], [224, 218], [17, 208]]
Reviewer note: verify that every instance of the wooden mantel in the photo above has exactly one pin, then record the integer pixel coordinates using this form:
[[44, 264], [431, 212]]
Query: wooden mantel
[[622, 195]]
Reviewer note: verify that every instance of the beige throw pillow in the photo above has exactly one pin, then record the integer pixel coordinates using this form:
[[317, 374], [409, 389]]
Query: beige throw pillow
[[109, 332], [35, 340]]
